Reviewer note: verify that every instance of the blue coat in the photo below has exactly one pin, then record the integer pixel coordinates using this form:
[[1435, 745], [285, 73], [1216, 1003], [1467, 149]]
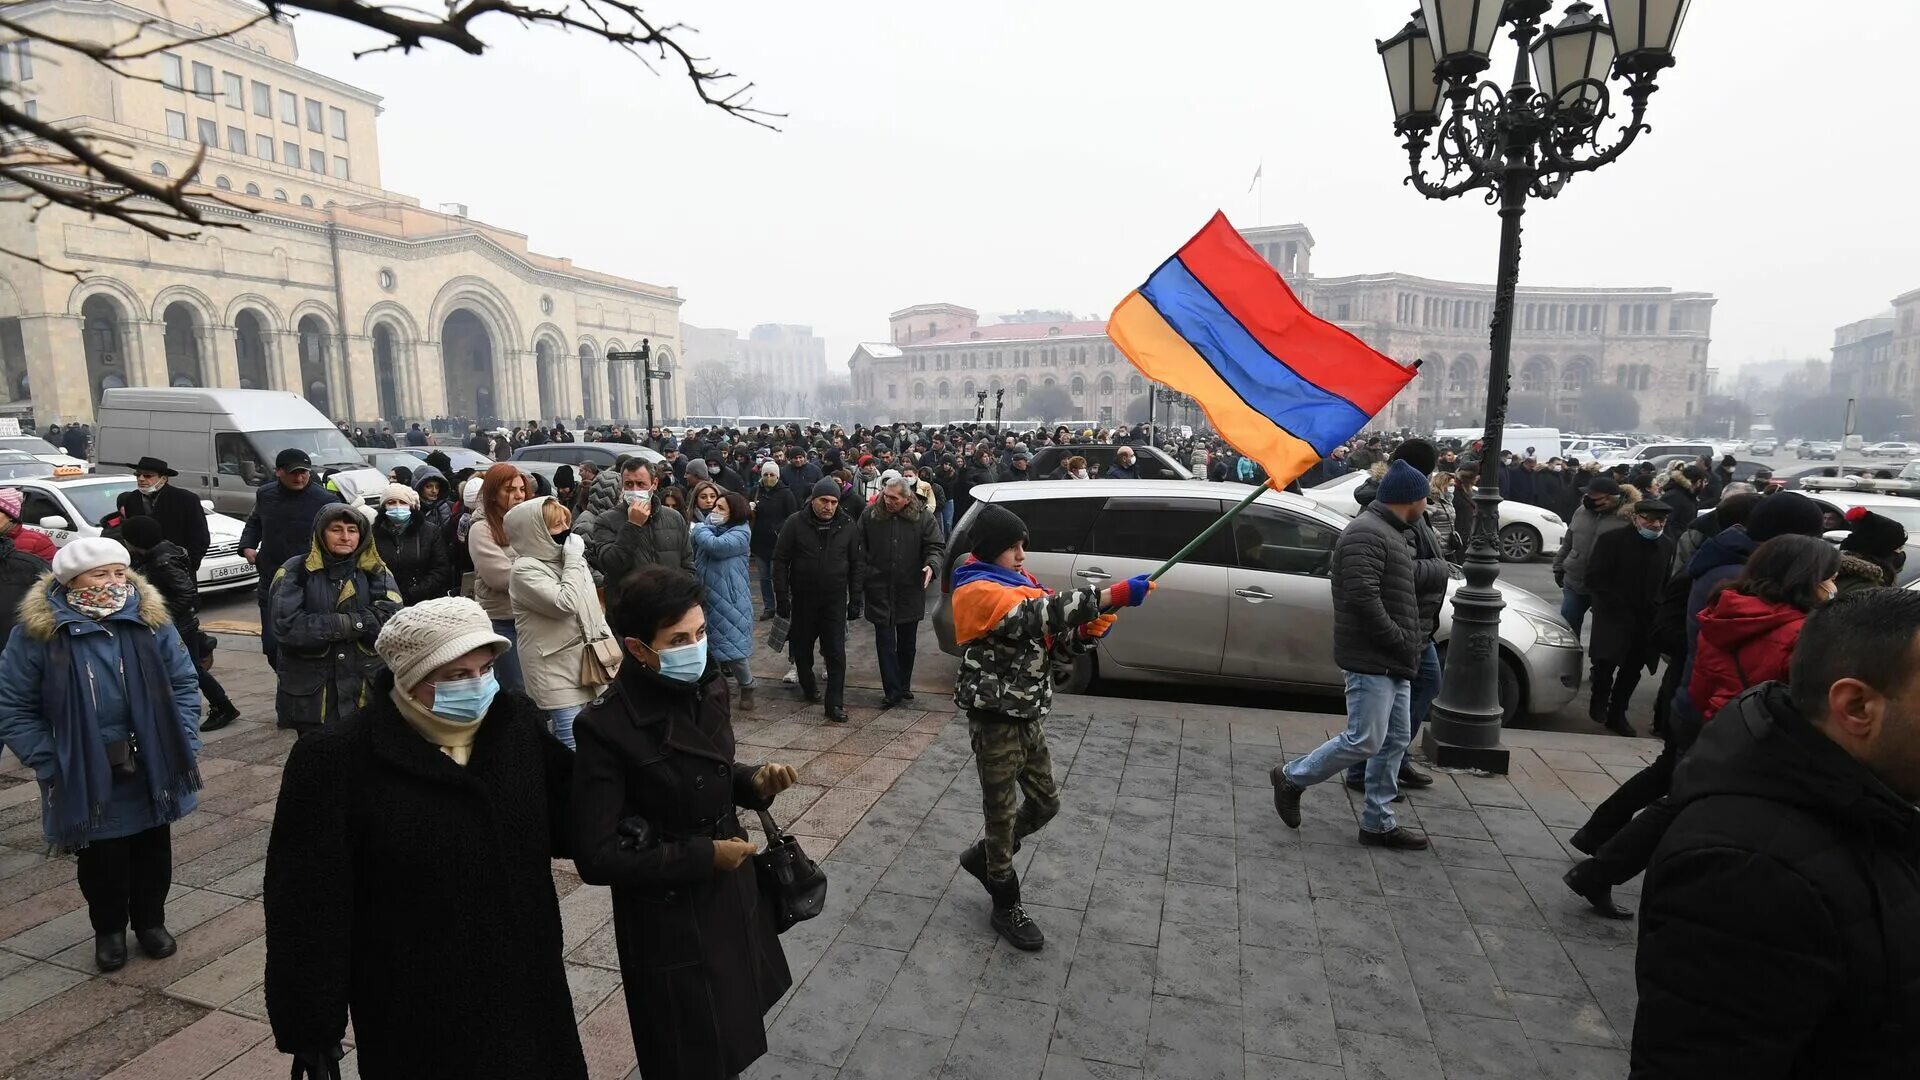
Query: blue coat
[[24, 678], [720, 562]]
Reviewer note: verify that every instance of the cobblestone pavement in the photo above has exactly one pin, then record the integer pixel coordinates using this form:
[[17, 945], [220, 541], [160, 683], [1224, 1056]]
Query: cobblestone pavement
[[1190, 934]]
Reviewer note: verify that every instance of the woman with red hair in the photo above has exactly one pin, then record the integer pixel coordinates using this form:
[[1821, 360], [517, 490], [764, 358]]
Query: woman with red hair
[[502, 488]]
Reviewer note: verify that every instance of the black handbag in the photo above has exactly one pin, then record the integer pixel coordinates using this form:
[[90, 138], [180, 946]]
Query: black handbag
[[791, 883]]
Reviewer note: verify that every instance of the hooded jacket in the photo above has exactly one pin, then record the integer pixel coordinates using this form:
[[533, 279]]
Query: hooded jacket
[[1744, 641], [1859, 573], [436, 512], [555, 609], [1780, 916], [416, 555], [327, 610]]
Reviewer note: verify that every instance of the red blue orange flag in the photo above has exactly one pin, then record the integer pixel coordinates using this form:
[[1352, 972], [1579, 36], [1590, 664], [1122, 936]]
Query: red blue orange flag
[[1279, 384]]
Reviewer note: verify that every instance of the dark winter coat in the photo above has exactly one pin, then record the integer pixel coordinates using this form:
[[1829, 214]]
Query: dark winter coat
[[435, 511], [165, 568], [416, 556], [1625, 578], [897, 549], [19, 572], [815, 562], [772, 506], [182, 519], [281, 525], [418, 894], [1431, 570], [327, 610], [1685, 507], [700, 961], [1377, 629], [663, 541], [800, 478], [1584, 529], [1780, 916], [1744, 641]]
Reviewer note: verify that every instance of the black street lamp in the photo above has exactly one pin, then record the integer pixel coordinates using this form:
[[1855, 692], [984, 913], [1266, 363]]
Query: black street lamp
[[1520, 142]]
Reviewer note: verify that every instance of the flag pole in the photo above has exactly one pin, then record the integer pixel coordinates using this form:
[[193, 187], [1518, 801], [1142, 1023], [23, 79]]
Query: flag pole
[[1207, 533]]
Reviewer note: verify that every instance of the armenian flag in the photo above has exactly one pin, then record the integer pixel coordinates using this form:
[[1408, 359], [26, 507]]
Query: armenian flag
[[1280, 385]]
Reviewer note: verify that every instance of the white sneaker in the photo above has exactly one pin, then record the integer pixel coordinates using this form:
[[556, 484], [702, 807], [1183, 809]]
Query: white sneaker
[[792, 677]]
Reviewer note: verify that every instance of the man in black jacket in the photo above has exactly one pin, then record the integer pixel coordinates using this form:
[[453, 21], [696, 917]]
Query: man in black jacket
[[280, 527], [182, 519], [903, 553], [1780, 924], [638, 532], [1626, 578], [773, 504], [1378, 635], [165, 565], [816, 561]]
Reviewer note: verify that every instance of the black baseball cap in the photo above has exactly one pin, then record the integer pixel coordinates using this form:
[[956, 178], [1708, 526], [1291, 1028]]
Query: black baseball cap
[[293, 459]]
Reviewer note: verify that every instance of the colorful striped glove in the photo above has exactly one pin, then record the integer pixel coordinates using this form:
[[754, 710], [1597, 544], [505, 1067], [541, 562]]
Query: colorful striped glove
[[1132, 592]]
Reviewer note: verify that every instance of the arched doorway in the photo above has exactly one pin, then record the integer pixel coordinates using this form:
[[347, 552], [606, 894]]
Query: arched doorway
[[547, 368], [617, 396], [466, 361], [182, 337], [386, 373], [589, 407], [250, 347], [316, 351], [103, 334]]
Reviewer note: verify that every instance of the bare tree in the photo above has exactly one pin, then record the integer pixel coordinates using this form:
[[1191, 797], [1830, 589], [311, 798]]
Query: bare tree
[[34, 151], [710, 386]]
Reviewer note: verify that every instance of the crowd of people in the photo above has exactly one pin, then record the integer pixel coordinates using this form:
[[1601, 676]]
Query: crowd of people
[[495, 668]]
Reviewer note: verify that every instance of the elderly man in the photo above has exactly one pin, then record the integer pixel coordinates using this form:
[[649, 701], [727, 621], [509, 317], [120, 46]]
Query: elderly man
[[1124, 467], [1598, 514], [904, 553], [182, 519], [1625, 579], [816, 565]]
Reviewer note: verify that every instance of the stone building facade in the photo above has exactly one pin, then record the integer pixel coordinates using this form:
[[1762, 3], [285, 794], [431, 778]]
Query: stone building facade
[[370, 304], [1863, 359], [779, 366], [1651, 342]]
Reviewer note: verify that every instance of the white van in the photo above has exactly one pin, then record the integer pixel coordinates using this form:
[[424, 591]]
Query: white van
[[1514, 438], [223, 442]]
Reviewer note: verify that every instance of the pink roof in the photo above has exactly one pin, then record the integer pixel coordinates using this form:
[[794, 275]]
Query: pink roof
[[1016, 332]]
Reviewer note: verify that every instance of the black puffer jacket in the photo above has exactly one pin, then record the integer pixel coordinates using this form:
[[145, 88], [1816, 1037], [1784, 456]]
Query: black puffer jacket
[[1377, 628], [1780, 925], [167, 567], [1431, 569], [19, 572], [416, 554], [897, 550]]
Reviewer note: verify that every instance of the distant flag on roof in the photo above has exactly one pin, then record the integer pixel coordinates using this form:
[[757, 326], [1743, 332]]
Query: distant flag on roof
[[1257, 170], [1281, 386]]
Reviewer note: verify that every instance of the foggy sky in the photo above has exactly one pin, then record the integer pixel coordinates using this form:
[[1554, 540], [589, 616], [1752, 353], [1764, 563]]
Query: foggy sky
[[1005, 155]]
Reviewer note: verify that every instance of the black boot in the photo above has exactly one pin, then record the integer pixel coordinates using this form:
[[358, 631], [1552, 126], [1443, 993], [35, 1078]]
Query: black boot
[[219, 716], [110, 950], [1598, 896], [1411, 777], [1010, 920], [156, 942]]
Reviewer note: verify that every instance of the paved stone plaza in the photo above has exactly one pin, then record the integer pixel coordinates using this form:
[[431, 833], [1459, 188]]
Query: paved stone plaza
[[1189, 934]]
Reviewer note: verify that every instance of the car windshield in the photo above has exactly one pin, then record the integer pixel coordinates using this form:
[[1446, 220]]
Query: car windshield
[[327, 447], [13, 466], [95, 501], [28, 444]]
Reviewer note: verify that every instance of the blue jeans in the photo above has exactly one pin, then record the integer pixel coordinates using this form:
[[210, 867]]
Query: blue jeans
[[507, 667], [560, 722], [1574, 607], [1377, 734], [946, 518], [766, 582], [1426, 687]]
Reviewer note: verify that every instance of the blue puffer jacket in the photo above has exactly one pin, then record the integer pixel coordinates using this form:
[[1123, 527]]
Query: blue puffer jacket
[[720, 562], [105, 648]]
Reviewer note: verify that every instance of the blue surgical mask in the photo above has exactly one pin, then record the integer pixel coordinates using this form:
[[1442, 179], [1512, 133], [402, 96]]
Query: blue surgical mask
[[465, 700], [399, 515], [684, 664], [1648, 534]]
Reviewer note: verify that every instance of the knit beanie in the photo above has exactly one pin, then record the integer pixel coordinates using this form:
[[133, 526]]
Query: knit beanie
[[422, 637], [770, 469], [995, 530], [827, 488], [697, 469], [1418, 453], [1403, 484], [86, 553], [470, 493], [10, 499], [400, 493], [1788, 513], [1874, 535], [142, 532], [892, 478]]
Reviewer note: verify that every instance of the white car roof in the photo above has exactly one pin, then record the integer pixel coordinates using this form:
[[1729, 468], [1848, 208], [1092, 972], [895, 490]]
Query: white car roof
[[1033, 490], [88, 480]]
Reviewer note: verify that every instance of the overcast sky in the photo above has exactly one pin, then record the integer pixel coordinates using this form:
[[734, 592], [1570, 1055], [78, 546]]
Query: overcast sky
[[1005, 154]]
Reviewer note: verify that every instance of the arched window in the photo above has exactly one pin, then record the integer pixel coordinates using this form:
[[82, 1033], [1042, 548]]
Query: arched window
[[158, 168], [1106, 385], [1019, 388], [253, 189], [223, 183], [944, 390], [1079, 386], [279, 194], [1136, 385], [306, 201]]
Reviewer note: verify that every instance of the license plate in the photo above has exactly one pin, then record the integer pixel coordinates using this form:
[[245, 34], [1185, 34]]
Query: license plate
[[220, 572]]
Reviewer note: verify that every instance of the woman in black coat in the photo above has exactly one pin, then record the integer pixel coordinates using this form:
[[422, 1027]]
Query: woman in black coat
[[412, 547], [409, 875], [654, 790]]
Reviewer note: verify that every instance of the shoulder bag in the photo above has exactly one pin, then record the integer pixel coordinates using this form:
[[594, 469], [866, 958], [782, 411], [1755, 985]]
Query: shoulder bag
[[792, 884]]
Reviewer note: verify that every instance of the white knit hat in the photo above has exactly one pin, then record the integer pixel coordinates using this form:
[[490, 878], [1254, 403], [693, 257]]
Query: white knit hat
[[892, 478], [87, 553], [401, 493], [421, 637], [470, 493]]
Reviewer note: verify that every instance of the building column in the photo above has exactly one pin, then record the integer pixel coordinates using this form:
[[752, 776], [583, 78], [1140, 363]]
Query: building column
[[356, 374], [146, 363], [221, 356], [283, 361], [56, 368], [602, 402]]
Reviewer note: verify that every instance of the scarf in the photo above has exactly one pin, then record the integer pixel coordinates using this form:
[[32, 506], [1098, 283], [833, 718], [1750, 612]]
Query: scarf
[[99, 601], [983, 594], [82, 780], [454, 739]]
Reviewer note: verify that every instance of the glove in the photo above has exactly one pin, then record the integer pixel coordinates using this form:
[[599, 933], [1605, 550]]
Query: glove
[[853, 610], [1097, 628], [635, 833], [319, 1063], [1133, 591]]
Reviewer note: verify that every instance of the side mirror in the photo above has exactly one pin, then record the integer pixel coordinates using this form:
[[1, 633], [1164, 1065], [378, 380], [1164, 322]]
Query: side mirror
[[54, 521]]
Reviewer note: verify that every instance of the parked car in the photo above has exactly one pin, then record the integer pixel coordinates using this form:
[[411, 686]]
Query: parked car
[[14, 464], [1764, 447], [1812, 450], [1900, 508], [1151, 462], [36, 447], [1904, 450], [1526, 531], [1253, 607], [68, 508], [603, 454], [459, 456]]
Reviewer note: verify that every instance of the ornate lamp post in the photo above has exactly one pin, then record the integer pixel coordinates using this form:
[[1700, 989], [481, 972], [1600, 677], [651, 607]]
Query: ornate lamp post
[[1521, 142]]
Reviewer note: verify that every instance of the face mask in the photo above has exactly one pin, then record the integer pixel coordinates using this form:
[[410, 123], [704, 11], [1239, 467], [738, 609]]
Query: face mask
[[716, 519], [686, 663], [399, 515], [465, 700], [769, 481], [99, 601], [635, 498], [1648, 534], [561, 536], [148, 489]]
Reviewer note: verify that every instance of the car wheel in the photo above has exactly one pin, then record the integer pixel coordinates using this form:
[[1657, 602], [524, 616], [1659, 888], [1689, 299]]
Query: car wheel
[[1074, 678], [1519, 543]]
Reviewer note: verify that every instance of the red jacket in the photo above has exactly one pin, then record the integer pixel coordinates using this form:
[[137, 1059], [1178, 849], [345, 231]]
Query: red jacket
[[1744, 641], [33, 543]]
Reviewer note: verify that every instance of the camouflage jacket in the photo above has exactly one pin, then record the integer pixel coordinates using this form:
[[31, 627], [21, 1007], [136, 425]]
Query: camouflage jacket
[[1008, 668]]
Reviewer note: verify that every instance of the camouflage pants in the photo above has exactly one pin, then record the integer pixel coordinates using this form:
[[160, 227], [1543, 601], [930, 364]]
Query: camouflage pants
[[1013, 760]]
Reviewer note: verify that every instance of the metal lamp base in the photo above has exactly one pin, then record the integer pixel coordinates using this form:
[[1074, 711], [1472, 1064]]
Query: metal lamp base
[[1494, 759]]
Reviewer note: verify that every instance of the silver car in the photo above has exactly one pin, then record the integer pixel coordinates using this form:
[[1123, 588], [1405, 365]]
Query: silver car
[[1253, 607]]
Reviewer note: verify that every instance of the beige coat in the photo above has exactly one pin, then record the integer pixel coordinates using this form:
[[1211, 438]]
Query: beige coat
[[555, 609], [491, 566]]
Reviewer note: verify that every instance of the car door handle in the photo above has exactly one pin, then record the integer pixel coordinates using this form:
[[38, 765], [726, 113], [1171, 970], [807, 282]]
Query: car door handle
[[1254, 594], [1093, 573]]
